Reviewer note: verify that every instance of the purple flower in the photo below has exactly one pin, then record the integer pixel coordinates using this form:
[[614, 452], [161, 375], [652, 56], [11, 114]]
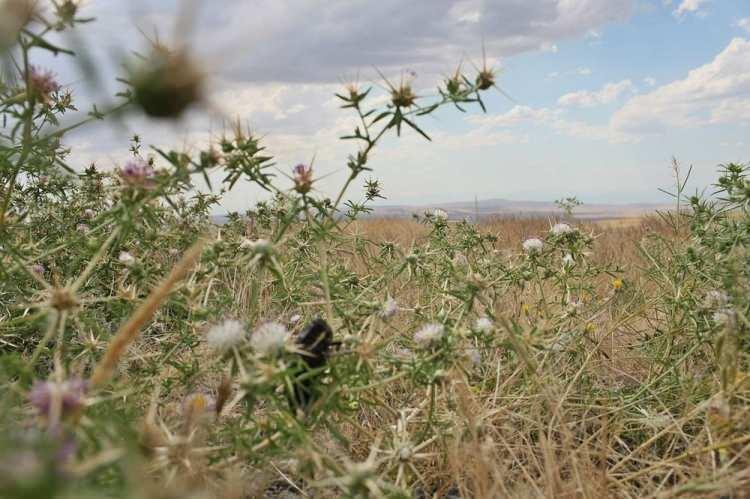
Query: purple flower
[[70, 394], [302, 178], [137, 172], [38, 268], [42, 83]]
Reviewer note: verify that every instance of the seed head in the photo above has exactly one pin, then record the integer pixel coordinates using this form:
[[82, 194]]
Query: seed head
[[429, 334], [485, 79], [403, 96], [533, 245], [167, 83], [560, 229], [439, 214], [63, 299], [269, 338], [389, 308], [484, 325], [126, 258], [222, 337], [716, 299]]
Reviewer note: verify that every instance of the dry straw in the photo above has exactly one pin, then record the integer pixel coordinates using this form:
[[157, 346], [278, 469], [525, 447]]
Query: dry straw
[[129, 331]]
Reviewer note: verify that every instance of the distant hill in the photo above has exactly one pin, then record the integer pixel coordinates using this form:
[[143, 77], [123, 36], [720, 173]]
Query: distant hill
[[506, 208], [488, 208]]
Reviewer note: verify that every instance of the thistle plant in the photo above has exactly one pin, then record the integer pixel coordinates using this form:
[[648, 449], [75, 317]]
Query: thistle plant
[[147, 351]]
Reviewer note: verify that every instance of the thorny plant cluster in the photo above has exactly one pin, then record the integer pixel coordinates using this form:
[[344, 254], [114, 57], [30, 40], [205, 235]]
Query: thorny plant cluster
[[147, 352]]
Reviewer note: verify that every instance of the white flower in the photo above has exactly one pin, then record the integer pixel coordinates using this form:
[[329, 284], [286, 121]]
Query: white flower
[[295, 319], [716, 299], [89, 213], [724, 316], [484, 324], [440, 214], [429, 333], [269, 338], [568, 261], [262, 246], [126, 258], [226, 335], [560, 229], [460, 260], [473, 355], [389, 308], [532, 245]]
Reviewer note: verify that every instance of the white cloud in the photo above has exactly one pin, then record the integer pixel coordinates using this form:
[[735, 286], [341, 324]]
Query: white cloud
[[608, 94], [716, 93], [551, 118], [650, 81], [690, 6], [744, 23]]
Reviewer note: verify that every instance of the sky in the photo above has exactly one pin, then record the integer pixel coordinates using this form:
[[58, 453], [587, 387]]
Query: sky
[[601, 94]]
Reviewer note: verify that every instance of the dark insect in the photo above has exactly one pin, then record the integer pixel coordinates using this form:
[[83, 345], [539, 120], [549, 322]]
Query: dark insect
[[315, 342]]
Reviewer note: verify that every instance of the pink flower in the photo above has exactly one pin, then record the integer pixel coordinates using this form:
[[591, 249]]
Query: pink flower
[[42, 83], [302, 178], [70, 394], [137, 173]]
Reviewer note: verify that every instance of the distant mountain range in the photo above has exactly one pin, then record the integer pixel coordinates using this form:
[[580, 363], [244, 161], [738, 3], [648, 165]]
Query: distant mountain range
[[488, 208], [506, 208]]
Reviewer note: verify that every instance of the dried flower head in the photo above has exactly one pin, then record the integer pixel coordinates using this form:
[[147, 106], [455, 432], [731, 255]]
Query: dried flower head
[[42, 84], [560, 229], [388, 308], [429, 334], [724, 316], [126, 258], [269, 338], [533, 245], [222, 337], [403, 96], [485, 79], [70, 394], [716, 299], [439, 214], [303, 178], [484, 325], [167, 83]]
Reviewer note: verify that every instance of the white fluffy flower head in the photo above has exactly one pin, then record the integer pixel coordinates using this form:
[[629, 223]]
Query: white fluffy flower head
[[226, 335], [484, 324], [389, 308], [269, 338], [126, 258], [533, 245], [716, 299], [440, 214], [560, 229], [429, 333]]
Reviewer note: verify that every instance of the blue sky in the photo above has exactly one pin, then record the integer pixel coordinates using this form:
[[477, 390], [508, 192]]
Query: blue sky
[[605, 92]]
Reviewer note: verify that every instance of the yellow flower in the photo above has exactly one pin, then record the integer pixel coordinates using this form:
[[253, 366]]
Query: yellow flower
[[617, 284], [590, 329], [525, 308]]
